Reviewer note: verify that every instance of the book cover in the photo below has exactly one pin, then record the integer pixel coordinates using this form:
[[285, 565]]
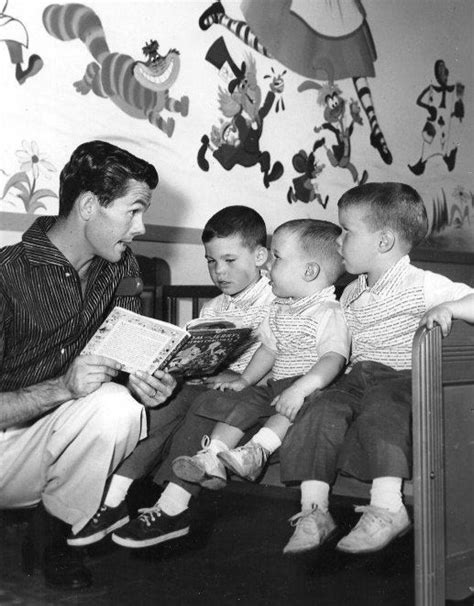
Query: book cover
[[142, 343]]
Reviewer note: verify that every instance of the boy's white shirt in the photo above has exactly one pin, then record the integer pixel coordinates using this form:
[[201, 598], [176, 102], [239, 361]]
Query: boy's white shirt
[[249, 307], [383, 318], [301, 331]]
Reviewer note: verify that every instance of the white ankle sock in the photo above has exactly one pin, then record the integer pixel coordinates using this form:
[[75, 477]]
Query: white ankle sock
[[174, 499], [386, 492], [314, 493], [216, 446], [117, 491], [267, 438]]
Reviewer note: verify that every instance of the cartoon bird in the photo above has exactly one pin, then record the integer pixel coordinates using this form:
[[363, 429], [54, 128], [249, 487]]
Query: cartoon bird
[[140, 89]]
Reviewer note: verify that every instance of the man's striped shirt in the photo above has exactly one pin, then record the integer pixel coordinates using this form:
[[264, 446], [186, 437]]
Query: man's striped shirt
[[45, 319]]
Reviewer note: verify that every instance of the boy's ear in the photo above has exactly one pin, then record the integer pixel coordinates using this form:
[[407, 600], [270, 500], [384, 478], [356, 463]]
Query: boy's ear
[[311, 271], [261, 256], [87, 204], [387, 240]]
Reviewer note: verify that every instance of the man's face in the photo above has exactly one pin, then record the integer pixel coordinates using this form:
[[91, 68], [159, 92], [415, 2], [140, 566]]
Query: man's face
[[232, 266], [357, 244], [111, 228]]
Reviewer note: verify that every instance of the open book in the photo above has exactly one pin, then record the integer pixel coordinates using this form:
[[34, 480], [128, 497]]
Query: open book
[[142, 343]]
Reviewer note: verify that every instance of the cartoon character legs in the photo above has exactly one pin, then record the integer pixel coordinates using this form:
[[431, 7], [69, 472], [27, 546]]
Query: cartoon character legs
[[201, 157], [377, 139], [35, 63], [269, 175]]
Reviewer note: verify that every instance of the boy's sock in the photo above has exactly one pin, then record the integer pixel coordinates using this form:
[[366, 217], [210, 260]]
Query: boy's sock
[[314, 493], [386, 492], [117, 491], [268, 439], [174, 499]]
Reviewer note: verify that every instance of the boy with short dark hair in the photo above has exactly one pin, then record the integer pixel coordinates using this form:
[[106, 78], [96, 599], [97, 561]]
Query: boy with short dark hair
[[234, 240], [361, 425]]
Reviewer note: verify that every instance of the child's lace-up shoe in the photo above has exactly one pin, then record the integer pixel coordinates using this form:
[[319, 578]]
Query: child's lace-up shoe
[[246, 461], [376, 528], [312, 528], [203, 468], [153, 526], [105, 521]]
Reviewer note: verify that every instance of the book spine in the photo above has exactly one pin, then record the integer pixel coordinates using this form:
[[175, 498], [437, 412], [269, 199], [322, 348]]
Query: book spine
[[174, 351]]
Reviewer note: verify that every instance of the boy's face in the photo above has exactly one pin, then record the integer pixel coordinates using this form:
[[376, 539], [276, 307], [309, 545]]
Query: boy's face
[[109, 229], [357, 244], [233, 266], [288, 266]]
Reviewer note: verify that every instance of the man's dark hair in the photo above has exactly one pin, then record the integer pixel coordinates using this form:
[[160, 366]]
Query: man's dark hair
[[103, 169], [390, 205], [237, 221]]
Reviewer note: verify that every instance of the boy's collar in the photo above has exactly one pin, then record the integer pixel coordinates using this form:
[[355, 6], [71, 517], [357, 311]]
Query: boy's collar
[[327, 293], [388, 280]]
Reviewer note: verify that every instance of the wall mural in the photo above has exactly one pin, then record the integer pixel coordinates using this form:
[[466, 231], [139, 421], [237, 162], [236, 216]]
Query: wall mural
[[15, 35], [236, 141], [140, 89], [283, 91]]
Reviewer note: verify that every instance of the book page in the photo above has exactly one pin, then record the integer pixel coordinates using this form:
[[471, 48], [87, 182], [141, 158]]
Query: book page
[[137, 342]]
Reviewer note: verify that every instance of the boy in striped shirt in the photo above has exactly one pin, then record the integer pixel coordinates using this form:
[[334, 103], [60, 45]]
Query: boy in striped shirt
[[361, 425]]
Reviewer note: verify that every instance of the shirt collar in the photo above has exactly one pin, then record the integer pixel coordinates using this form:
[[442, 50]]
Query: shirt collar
[[388, 281], [38, 247], [298, 305], [250, 294]]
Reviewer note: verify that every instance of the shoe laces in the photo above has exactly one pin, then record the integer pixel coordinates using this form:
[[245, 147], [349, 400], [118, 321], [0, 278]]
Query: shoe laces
[[305, 519], [98, 513], [148, 515], [372, 514], [205, 443]]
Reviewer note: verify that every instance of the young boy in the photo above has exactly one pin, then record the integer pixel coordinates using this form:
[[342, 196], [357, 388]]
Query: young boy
[[235, 248], [306, 337], [305, 345], [361, 425]]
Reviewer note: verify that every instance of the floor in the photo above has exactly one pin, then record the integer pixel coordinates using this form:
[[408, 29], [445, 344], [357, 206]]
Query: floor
[[232, 557]]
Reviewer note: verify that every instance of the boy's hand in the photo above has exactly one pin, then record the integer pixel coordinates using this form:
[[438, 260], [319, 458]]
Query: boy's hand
[[442, 315], [289, 402], [236, 385], [87, 373], [152, 390], [223, 377]]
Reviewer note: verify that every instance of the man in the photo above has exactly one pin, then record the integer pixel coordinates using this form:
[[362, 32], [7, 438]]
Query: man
[[65, 424]]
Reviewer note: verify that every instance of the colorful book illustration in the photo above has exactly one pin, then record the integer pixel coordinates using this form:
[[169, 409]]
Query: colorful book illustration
[[142, 343]]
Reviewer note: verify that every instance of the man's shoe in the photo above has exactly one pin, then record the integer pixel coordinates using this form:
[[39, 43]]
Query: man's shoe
[[105, 521], [312, 528], [203, 468], [246, 461], [153, 526], [64, 569], [376, 528]]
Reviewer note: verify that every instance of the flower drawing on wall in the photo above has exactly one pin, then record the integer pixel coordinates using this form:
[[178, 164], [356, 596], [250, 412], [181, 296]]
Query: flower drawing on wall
[[23, 185]]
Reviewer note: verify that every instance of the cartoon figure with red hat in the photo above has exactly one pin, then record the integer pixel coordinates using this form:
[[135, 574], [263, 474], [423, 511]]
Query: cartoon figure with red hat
[[237, 140]]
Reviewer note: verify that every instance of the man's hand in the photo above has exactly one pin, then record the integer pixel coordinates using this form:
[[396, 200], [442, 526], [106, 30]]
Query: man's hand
[[289, 402], [87, 373], [442, 315], [152, 390]]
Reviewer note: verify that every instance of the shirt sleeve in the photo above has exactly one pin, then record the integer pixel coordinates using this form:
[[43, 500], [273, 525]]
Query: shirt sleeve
[[265, 335], [439, 289], [333, 334]]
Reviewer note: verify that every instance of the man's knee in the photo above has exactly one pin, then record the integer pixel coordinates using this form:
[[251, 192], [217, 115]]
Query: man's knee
[[115, 410]]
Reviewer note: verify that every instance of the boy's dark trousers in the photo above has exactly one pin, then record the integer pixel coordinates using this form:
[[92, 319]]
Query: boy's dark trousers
[[361, 425]]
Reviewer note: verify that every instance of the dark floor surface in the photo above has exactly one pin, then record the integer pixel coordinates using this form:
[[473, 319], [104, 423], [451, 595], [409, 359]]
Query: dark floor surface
[[233, 556]]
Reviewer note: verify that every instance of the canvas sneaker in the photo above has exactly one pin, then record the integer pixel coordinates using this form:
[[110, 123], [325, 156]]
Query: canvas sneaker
[[312, 528], [376, 528], [246, 461], [105, 521], [151, 527], [203, 468]]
